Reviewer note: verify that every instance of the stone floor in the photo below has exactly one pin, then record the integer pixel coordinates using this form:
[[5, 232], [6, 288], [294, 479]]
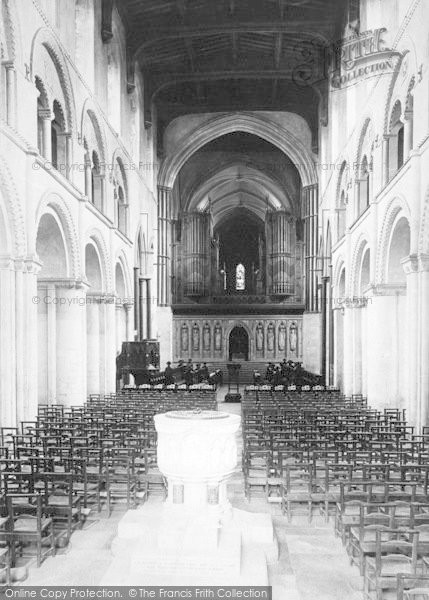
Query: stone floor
[[312, 565]]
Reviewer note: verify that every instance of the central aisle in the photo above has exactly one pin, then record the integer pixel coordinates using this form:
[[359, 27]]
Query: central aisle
[[312, 566]]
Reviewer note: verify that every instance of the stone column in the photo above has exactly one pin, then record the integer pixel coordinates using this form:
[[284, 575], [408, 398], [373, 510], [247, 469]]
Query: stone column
[[93, 344], [26, 338], [47, 140], [410, 265], [107, 344], [164, 204], [128, 321], [71, 352], [310, 212], [7, 343], [423, 372], [385, 153], [357, 349], [408, 133], [68, 156], [383, 366], [88, 177], [11, 93], [348, 353]]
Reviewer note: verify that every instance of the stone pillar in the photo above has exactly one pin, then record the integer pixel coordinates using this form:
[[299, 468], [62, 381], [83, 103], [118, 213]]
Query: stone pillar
[[47, 140], [164, 204], [310, 212], [408, 133], [11, 93], [348, 366], [68, 172], [384, 366], [93, 344], [423, 373], [148, 309], [88, 177], [71, 351], [7, 343], [410, 265], [128, 322], [108, 348], [141, 308], [385, 153]]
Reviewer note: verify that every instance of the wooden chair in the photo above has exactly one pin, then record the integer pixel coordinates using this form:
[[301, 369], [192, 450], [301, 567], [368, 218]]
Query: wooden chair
[[298, 489], [61, 502], [412, 587], [28, 526], [120, 481], [395, 552]]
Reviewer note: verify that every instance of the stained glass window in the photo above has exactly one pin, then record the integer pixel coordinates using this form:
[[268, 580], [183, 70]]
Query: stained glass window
[[240, 277]]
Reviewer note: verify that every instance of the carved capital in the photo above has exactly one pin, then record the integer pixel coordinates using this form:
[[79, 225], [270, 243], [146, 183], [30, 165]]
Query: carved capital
[[410, 264]]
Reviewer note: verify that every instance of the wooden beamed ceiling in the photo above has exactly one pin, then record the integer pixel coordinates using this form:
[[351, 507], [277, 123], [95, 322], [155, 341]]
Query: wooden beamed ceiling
[[217, 55]]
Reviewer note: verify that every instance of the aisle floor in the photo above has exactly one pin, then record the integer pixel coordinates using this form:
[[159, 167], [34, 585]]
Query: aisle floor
[[312, 564]]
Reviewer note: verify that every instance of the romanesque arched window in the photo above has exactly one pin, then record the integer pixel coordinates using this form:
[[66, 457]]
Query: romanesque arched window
[[364, 186], [120, 197], [240, 278], [96, 183], [396, 140], [58, 139], [95, 161]]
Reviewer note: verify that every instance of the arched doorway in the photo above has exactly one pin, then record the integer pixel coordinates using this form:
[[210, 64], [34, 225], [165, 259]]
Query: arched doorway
[[238, 344]]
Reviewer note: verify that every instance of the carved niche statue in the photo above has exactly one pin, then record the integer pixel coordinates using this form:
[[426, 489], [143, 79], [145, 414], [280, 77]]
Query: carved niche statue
[[293, 337], [259, 337], [270, 337], [195, 338], [206, 337], [218, 337], [282, 337], [184, 338]]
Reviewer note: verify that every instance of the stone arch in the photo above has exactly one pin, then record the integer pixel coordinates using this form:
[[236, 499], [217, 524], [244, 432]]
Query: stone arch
[[53, 201], [43, 37], [397, 205], [121, 260], [398, 249], [248, 123], [355, 270], [90, 112], [269, 178], [12, 31], [389, 97], [340, 266], [423, 242], [51, 246], [96, 238], [238, 323], [249, 174], [360, 149], [13, 210], [122, 160]]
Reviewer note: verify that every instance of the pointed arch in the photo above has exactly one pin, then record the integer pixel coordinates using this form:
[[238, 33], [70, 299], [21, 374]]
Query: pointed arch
[[258, 125]]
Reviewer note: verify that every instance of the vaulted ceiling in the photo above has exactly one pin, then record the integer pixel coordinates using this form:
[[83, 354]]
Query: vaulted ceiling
[[222, 55]]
